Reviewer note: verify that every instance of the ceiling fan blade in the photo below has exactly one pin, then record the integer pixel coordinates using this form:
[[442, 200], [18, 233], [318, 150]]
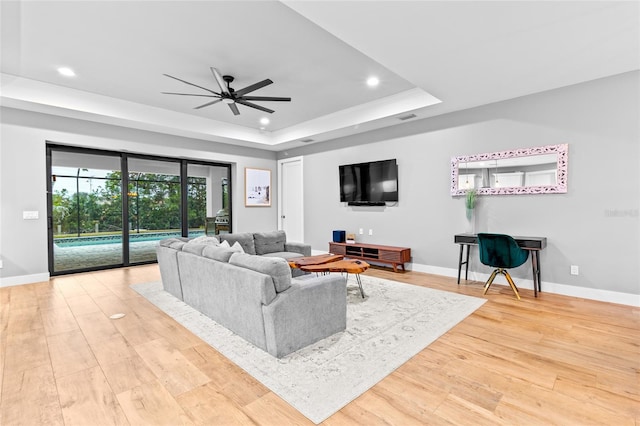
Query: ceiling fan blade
[[253, 87], [220, 80], [234, 108], [265, 98], [209, 103], [249, 104], [191, 84], [190, 94]]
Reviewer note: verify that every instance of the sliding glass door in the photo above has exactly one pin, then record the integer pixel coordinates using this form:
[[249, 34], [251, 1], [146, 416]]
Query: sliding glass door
[[86, 211], [110, 209]]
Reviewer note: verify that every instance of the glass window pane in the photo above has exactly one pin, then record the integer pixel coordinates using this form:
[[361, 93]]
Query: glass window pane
[[208, 199], [86, 211], [154, 206]]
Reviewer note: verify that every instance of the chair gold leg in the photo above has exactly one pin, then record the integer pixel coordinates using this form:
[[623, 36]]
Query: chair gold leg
[[512, 284], [490, 281]]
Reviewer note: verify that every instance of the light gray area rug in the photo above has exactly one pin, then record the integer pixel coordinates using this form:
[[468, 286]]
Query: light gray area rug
[[393, 323]]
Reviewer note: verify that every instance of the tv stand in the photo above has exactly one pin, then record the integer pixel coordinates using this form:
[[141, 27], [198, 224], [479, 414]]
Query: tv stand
[[373, 252]]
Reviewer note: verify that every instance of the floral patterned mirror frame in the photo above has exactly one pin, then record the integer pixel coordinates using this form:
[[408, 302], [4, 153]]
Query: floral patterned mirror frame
[[561, 170]]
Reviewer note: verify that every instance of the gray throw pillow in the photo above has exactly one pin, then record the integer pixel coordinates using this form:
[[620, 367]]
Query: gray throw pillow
[[220, 254], [277, 268], [205, 239], [269, 242], [177, 245], [195, 248], [168, 241]]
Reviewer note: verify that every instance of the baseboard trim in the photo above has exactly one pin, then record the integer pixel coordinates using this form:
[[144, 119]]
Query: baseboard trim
[[24, 279], [547, 287], [600, 295]]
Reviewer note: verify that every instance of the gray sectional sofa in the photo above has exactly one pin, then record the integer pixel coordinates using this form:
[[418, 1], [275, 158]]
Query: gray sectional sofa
[[253, 293], [270, 244]]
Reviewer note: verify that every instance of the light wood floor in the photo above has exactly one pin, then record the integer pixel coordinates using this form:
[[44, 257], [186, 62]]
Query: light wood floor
[[550, 360]]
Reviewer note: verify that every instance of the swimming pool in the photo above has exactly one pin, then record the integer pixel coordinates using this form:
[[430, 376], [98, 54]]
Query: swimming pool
[[117, 239]]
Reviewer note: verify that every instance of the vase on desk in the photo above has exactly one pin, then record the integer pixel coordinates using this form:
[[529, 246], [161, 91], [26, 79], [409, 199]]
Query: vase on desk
[[470, 221], [470, 204]]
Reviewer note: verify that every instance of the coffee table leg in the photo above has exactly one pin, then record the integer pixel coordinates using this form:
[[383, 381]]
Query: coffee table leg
[[360, 285]]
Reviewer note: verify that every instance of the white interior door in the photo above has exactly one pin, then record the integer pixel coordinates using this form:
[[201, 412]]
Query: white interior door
[[290, 205]]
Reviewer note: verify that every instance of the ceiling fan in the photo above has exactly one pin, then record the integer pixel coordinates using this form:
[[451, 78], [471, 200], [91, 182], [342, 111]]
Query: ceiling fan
[[230, 96]]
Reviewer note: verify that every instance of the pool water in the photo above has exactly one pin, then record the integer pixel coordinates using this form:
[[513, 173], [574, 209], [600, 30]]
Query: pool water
[[117, 239]]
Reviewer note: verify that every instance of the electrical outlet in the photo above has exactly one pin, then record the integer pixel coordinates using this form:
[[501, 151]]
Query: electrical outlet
[[575, 270], [370, 231], [361, 231]]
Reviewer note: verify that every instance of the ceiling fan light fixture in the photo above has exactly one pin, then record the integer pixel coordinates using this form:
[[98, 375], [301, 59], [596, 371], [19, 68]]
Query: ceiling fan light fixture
[[227, 95]]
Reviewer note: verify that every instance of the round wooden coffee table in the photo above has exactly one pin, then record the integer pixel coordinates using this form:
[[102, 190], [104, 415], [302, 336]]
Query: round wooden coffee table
[[349, 266], [297, 262]]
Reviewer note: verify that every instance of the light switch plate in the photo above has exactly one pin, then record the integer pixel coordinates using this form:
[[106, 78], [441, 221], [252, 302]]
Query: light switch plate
[[30, 215]]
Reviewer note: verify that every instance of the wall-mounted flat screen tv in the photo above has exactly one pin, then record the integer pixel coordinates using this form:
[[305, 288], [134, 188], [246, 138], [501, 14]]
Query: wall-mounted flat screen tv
[[372, 183]]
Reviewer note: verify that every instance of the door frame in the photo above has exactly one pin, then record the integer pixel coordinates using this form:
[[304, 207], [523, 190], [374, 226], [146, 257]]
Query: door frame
[[280, 164]]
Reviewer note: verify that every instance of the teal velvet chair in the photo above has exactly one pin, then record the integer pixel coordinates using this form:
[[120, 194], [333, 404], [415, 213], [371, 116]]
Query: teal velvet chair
[[501, 252]]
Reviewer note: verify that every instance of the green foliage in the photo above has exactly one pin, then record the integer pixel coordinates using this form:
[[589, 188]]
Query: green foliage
[[153, 200], [470, 199]]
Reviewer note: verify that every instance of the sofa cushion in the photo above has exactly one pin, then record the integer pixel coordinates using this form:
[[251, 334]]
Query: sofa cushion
[[220, 254], [196, 245], [205, 239], [283, 254], [275, 267], [269, 242], [245, 240], [177, 245], [167, 242], [195, 248]]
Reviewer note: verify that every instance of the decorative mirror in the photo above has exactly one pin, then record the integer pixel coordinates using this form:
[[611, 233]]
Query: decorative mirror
[[539, 170]]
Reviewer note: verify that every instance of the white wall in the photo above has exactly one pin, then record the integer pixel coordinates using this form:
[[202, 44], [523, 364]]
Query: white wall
[[23, 135], [595, 225]]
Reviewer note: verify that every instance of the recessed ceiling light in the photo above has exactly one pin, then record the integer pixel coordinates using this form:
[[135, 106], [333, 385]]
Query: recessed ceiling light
[[66, 71], [264, 121], [373, 81]]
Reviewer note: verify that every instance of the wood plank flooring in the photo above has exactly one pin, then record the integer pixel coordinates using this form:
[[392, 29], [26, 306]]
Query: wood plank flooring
[[550, 360]]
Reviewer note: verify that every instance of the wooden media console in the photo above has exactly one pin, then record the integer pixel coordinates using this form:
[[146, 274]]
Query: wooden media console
[[373, 252]]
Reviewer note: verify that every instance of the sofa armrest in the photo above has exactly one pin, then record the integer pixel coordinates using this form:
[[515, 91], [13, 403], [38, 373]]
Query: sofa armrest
[[169, 270], [302, 248], [306, 312]]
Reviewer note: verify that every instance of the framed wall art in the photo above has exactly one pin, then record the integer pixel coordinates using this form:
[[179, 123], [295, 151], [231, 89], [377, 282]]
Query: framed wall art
[[257, 187]]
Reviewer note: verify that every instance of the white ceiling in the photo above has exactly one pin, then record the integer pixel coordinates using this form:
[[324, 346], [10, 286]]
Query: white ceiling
[[431, 57]]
